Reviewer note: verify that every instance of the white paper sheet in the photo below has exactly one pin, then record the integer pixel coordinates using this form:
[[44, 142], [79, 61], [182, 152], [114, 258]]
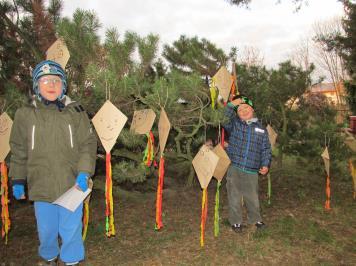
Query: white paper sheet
[[72, 198]]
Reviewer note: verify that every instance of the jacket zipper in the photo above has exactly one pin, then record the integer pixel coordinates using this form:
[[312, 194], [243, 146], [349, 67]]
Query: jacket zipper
[[70, 135], [33, 137]]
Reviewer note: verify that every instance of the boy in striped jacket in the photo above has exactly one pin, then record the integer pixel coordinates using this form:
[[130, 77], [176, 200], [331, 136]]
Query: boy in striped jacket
[[249, 150]]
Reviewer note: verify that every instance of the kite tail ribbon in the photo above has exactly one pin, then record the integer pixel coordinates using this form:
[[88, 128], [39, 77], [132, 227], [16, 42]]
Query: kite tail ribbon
[[204, 213], [327, 191], [149, 151], [109, 213], [213, 93], [159, 223], [5, 217], [269, 193], [353, 174], [216, 213], [85, 219]]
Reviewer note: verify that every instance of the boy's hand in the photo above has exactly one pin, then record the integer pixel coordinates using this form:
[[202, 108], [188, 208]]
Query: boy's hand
[[18, 191], [82, 181], [263, 170]]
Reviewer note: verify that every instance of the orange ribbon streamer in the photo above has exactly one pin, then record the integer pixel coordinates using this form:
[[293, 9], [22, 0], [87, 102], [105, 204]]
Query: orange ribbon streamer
[[109, 225], [150, 149], [5, 217], [159, 223], [327, 191], [204, 214], [85, 219]]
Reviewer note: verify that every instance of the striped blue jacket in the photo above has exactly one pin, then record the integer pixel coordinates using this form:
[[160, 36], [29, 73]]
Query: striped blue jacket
[[249, 147]]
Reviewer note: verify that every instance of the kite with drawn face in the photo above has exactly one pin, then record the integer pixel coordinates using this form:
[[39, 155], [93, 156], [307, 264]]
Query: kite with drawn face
[[108, 123]]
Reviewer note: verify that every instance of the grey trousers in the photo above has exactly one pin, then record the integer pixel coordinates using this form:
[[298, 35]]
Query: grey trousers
[[242, 185]]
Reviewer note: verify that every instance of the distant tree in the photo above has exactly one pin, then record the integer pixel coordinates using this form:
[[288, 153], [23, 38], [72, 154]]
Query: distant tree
[[327, 58], [348, 51], [297, 3]]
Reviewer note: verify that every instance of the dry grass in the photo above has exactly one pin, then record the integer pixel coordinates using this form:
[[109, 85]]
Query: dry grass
[[299, 231]]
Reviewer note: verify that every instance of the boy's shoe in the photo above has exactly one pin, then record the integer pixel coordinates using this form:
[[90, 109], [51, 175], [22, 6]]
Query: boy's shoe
[[237, 228], [53, 262], [260, 225]]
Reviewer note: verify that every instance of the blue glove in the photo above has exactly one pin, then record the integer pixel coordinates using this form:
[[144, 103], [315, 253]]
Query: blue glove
[[82, 181], [18, 191]]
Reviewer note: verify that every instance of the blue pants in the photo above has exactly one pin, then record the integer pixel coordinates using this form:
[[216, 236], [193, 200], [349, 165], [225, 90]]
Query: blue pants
[[53, 221]]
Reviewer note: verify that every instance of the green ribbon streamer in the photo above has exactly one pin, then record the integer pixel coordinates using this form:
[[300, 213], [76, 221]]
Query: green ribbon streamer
[[213, 95], [269, 193], [216, 214], [145, 152]]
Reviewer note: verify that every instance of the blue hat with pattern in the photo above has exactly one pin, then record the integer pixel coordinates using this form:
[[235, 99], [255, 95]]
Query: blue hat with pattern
[[48, 67]]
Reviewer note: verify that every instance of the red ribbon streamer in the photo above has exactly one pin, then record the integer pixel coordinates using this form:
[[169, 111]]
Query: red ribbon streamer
[[327, 191], [159, 223], [110, 228], [5, 217], [204, 214]]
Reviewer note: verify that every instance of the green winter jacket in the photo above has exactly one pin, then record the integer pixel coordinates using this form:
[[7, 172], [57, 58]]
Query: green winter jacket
[[50, 147]]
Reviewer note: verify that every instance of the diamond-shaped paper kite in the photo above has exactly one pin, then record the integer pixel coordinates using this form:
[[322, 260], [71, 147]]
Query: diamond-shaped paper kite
[[5, 130], [223, 81], [108, 123], [326, 159], [142, 121], [164, 126], [223, 164], [272, 135], [204, 163], [58, 52]]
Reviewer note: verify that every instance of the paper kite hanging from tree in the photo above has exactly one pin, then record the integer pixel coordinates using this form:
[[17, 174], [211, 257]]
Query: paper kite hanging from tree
[[219, 173], [272, 135], [326, 158], [142, 123], [164, 127], [204, 163], [58, 52], [108, 123]]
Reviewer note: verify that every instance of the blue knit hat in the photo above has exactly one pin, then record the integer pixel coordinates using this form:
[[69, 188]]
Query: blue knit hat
[[48, 67]]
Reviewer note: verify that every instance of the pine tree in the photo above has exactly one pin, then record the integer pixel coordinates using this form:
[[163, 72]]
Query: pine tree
[[193, 55]]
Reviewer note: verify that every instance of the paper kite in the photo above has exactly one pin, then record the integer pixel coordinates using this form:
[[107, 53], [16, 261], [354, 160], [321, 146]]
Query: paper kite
[[204, 163], [108, 123]]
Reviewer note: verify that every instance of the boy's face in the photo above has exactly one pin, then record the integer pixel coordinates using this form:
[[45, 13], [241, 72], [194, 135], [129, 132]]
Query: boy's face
[[245, 112], [50, 87]]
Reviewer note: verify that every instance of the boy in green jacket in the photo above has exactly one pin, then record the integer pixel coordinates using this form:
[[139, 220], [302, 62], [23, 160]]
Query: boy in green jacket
[[53, 148]]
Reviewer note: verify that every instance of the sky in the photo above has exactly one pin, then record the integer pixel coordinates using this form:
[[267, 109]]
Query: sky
[[274, 29]]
